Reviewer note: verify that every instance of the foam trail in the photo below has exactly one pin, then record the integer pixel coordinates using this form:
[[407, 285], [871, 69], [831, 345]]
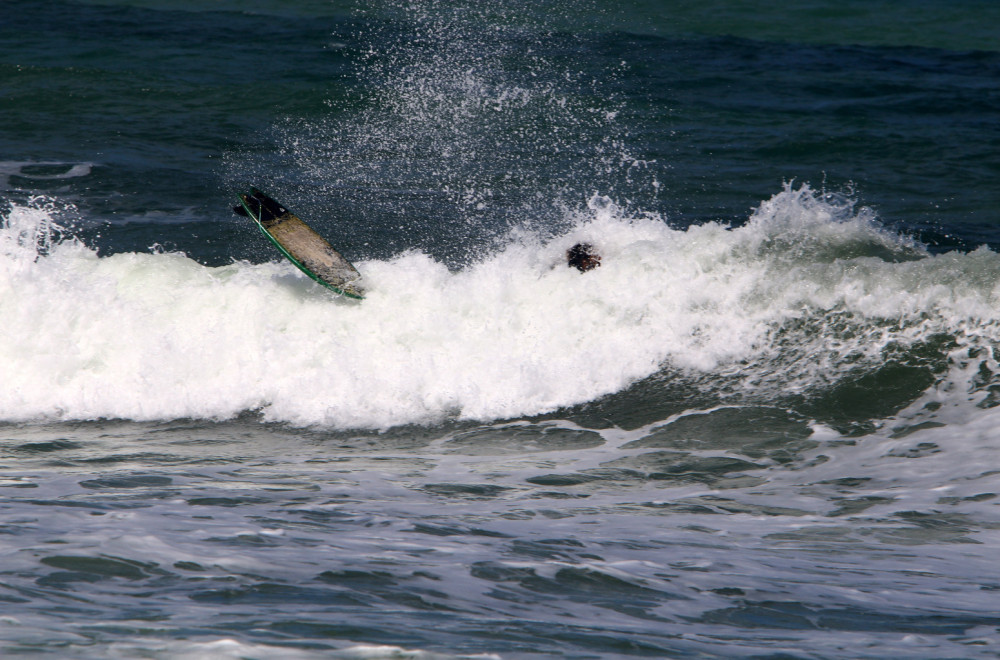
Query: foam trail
[[807, 291], [42, 170]]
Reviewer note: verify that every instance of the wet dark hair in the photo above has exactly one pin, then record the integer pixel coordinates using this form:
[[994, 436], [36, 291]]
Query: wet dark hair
[[582, 257]]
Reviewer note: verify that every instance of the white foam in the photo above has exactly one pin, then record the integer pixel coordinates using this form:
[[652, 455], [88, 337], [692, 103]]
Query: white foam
[[44, 170], [151, 336], [224, 649]]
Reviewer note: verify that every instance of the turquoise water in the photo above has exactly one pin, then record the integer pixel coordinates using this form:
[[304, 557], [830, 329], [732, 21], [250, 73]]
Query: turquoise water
[[764, 427]]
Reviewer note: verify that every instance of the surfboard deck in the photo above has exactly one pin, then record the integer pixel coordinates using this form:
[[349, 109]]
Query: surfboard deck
[[301, 245]]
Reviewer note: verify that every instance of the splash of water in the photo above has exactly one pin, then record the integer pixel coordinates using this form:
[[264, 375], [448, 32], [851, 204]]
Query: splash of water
[[152, 336], [468, 119]]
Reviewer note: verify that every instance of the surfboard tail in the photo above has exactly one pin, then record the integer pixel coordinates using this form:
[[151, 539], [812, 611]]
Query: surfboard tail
[[259, 206]]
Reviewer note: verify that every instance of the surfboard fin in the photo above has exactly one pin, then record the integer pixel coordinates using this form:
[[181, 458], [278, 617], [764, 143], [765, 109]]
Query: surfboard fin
[[267, 208]]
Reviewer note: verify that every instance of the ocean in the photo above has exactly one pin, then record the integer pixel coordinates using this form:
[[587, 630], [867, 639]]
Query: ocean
[[766, 426]]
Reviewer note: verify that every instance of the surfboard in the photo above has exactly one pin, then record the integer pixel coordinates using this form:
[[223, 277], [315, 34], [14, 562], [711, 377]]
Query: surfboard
[[300, 244]]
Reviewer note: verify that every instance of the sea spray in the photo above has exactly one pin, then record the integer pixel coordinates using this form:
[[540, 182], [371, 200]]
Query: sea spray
[[465, 121]]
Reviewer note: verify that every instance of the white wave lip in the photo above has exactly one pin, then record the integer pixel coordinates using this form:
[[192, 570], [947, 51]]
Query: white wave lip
[[159, 336]]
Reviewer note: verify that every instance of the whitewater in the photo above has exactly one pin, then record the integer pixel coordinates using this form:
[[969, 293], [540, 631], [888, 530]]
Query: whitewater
[[156, 335]]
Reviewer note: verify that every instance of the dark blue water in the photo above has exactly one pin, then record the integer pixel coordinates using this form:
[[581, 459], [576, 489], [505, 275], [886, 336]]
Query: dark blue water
[[764, 427]]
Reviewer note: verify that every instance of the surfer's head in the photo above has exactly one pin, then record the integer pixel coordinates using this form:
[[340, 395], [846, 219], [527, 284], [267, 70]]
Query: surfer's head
[[582, 257]]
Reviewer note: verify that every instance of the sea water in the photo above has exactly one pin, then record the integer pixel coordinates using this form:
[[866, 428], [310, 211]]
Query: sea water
[[765, 426]]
